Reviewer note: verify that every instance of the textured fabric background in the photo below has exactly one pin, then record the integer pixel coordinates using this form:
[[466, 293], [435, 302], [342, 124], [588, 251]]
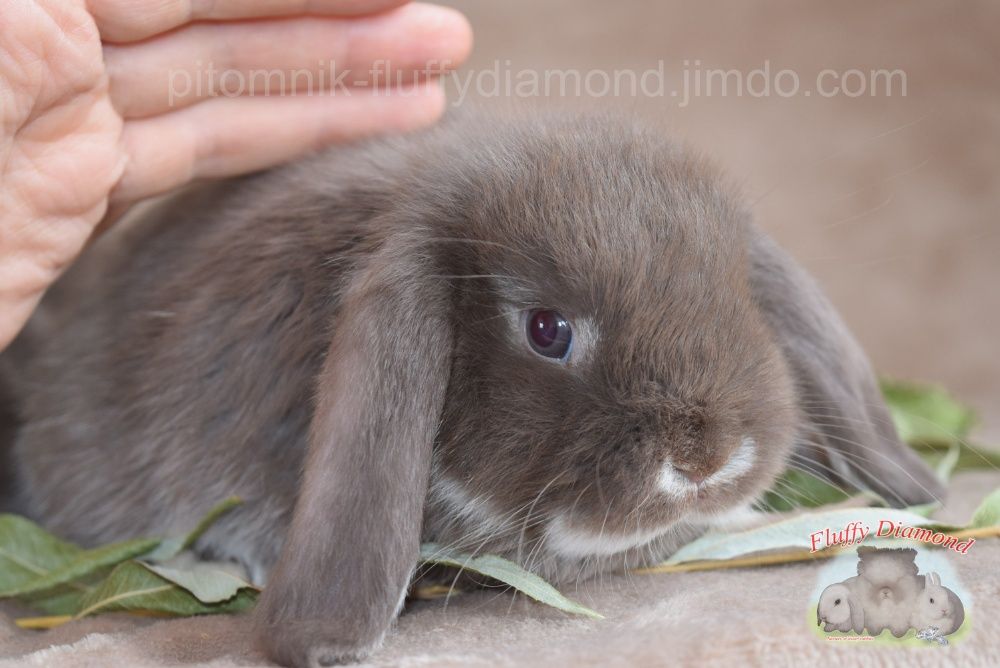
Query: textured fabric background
[[892, 203]]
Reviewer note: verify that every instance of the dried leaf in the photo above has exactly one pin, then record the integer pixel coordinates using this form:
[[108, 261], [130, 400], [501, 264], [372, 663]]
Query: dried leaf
[[42, 623]]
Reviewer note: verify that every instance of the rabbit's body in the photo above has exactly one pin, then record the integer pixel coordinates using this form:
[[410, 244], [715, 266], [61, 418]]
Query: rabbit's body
[[342, 343], [888, 585], [133, 390]]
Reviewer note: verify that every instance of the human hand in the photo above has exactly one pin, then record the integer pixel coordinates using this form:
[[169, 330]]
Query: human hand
[[94, 114]]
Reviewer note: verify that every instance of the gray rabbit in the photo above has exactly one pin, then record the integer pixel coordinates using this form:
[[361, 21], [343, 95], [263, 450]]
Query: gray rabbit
[[557, 339]]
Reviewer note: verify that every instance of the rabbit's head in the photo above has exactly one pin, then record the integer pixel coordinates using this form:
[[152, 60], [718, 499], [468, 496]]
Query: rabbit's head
[[611, 372], [835, 604], [570, 333]]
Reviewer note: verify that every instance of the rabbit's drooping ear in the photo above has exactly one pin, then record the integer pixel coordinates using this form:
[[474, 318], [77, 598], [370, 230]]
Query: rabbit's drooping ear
[[355, 536], [847, 435]]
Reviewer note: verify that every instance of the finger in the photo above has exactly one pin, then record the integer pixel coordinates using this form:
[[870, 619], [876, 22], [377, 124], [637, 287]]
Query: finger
[[284, 56], [132, 20], [228, 136]]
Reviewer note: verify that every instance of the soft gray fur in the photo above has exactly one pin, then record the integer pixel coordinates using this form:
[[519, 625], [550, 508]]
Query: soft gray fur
[[333, 342]]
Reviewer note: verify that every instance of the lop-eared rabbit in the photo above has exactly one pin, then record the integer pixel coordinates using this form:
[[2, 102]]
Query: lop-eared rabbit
[[559, 338]]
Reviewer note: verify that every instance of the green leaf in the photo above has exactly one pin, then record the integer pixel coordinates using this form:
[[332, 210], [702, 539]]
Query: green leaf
[[59, 578], [946, 465], [83, 564], [61, 600], [798, 489], [132, 586], [507, 572], [926, 413], [206, 581], [65, 599], [988, 512], [927, 417], [28, 552]]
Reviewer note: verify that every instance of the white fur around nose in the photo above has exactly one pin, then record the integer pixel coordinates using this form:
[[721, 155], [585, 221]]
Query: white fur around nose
[[675, 484]]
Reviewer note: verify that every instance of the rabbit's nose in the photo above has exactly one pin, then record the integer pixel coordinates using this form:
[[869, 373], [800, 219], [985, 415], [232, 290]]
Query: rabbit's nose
[[704, 469], [696, 472]]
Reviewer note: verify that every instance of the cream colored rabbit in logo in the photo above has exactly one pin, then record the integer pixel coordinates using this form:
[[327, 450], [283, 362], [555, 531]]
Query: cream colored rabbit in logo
[[937, 607], [888, 586], [840, 608]]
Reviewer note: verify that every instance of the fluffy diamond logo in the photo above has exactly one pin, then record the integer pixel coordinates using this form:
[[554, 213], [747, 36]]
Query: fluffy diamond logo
[[891, 593]]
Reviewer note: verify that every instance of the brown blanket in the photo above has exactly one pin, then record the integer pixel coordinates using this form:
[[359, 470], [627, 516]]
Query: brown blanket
[[755, 616]]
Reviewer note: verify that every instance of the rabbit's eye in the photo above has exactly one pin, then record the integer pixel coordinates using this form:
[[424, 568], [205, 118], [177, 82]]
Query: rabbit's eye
[[549, 333], [837, 602], [932, 600]]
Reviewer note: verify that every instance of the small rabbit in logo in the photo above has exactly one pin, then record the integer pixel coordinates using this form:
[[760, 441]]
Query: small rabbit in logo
[[937, 607], [840, 608]]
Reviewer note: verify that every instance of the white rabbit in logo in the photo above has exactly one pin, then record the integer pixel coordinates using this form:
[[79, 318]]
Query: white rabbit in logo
[[937, 606]]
